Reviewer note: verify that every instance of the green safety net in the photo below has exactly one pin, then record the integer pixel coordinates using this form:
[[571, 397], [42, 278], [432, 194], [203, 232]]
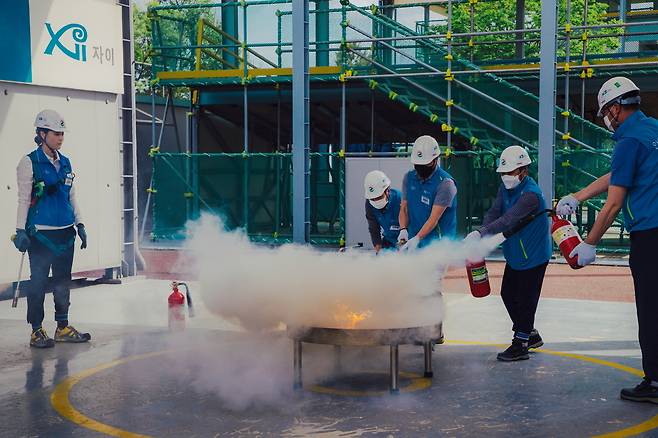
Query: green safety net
[[251, 189]]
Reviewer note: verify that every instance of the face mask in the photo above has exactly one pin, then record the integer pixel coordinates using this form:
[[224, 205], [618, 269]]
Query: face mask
[[510, 181], [424, 171], [380, 203], [608, 123]]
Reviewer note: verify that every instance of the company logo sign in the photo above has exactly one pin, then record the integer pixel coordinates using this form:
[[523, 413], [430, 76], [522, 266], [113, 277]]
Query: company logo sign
[[79, 36]]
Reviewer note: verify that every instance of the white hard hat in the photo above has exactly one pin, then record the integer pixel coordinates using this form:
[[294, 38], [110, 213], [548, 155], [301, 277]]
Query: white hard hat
[[375, 184], [512, 158], [50, 119], [425, 150], [613, 89]]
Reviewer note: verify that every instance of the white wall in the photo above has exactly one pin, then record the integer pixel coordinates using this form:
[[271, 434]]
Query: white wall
[[356, 227], [92, 144]]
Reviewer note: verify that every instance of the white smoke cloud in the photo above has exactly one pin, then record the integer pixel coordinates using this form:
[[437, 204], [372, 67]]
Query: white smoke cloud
[[261, 288]]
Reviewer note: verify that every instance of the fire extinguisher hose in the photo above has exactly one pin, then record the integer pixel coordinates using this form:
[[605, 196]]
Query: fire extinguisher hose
[[525, 221], [190, 308]]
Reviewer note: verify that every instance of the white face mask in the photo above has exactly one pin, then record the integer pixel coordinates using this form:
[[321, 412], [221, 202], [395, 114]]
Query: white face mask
[[379, 204], [510, 181], [608, 123]]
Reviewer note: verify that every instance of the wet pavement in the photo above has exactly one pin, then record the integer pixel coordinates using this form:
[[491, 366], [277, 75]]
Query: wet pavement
[[135, 378]]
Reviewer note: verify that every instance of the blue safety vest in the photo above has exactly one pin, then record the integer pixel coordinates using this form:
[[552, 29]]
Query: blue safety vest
[[641, 202], [388, 217], [51, 204], [531, 246], [420, 200]]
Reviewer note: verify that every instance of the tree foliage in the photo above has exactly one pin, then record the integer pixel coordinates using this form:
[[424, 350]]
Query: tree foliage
[[500, 15], [176, 27]]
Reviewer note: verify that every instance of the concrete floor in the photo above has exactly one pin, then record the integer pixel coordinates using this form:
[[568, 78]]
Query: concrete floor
[[214, 381]]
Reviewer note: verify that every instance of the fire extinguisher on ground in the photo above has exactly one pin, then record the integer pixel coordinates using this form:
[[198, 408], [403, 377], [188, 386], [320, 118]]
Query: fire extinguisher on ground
[[176, 302]]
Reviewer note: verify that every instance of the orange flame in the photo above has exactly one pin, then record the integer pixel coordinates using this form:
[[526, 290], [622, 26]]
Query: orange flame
[[349, 319]]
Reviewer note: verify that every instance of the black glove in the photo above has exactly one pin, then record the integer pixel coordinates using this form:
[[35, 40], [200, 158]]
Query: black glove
[[82, 233], [21, 240]]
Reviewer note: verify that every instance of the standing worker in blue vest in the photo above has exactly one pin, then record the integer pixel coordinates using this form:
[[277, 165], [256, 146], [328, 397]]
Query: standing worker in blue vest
[[632, 185], [429, 198], [382, 210], [526, 252], [47, 213]]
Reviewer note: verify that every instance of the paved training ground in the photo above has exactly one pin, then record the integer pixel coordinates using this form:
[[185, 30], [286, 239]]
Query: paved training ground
[[136, 379]]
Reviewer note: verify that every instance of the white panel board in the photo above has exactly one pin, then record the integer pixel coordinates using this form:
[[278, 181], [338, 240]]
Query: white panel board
[[356, 227], [92, 144], [77, 44]]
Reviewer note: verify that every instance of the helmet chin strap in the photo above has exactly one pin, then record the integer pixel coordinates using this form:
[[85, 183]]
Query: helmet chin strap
[[52, 151]]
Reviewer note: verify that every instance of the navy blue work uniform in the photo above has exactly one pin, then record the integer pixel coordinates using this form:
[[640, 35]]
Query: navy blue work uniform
[[635, 167], [526, 252], [383, 224]]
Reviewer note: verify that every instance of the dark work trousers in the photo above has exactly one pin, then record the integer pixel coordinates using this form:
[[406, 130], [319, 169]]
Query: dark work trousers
[[520, 291], [42, 259], [643, 267]]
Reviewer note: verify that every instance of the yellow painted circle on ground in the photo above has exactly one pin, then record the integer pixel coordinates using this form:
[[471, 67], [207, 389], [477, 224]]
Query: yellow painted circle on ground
[[60, 396], [418, 383]]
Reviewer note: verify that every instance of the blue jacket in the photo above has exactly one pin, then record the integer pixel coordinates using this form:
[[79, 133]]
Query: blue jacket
[[531, 246], [53, 208], [388, 217], [420, 200], [635, 166]]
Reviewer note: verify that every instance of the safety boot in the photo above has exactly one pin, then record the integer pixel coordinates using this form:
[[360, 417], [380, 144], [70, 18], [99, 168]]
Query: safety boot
[[517, 351], [40, 339], [644, 392], [535, 340], [70, 334]]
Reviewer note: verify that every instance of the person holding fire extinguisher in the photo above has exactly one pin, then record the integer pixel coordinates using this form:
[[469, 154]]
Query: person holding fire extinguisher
[[632, 186], [382, 210], [428, 210], [46, 215], [526, 252]]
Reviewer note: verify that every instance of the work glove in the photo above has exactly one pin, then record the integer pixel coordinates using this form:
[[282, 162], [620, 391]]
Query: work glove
[[586, 254], [82, 233], [21, 240], [473, 236], [411, 244], [567, 205], [403, 236]]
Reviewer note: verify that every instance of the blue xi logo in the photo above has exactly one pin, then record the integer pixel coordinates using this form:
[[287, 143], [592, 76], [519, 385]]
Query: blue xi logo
[[79, 35]]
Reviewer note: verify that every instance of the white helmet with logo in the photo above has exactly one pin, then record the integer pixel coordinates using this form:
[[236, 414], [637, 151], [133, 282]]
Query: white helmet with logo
[[425, 150], [50, 119], [612, 91], [512, 158], [375, 184]]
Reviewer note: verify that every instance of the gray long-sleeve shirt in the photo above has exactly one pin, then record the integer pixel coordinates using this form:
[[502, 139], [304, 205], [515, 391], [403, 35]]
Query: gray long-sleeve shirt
[[496, 222]]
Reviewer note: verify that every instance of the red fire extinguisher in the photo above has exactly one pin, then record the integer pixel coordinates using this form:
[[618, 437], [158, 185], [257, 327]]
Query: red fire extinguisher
[[176, 303], [478, 278], [566, 237]]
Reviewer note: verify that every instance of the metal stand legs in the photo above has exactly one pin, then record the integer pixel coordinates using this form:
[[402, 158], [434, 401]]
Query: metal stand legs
[[297, 364], [395, 371], [427, 347], [394, 385]]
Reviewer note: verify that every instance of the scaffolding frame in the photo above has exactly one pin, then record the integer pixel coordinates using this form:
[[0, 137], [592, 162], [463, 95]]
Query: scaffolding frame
[[396, 43]]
